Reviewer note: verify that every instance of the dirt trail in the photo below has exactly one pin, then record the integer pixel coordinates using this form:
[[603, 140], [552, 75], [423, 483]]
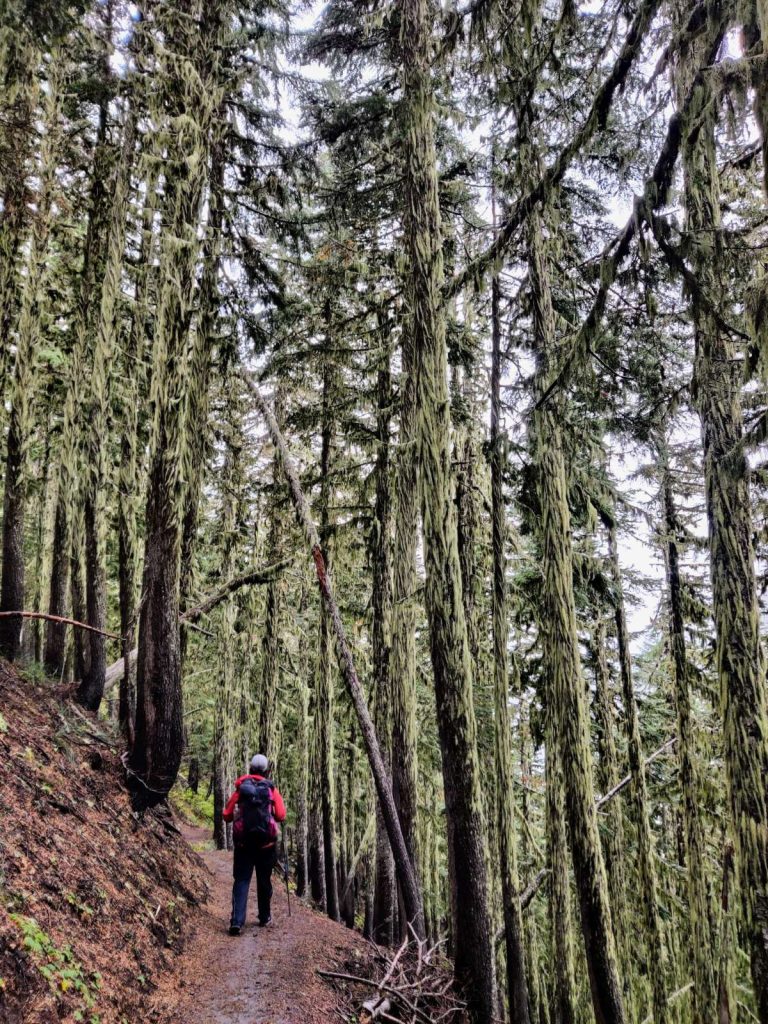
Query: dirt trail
[[266, 975]]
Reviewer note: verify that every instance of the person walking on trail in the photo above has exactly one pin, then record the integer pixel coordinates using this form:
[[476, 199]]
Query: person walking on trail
[[255, 807]]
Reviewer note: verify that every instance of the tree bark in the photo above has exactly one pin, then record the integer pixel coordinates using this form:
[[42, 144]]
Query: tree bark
[[517, 987], [381, 601], [608, 776], [561, 658], [656, 950], [29, 327], [156, 752], [701, 939], [325, 680], [717, 395], [451, 663]]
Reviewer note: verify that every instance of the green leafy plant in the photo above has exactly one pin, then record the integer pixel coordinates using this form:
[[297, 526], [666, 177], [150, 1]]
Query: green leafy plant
[[59, 966]]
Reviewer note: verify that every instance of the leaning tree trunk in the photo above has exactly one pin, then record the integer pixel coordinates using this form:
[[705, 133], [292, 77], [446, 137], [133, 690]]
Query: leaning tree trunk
[[381, 602], [717, 391], [403, 865], [517, 988], [28, 337], [474, 961], [156, 752], [561, 658]]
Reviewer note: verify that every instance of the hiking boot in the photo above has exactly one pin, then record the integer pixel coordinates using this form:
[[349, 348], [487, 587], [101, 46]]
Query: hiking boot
[[235, 929], [263, 924]]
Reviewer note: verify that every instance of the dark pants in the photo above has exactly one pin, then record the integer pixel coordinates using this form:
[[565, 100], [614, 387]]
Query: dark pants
[[248, 857]]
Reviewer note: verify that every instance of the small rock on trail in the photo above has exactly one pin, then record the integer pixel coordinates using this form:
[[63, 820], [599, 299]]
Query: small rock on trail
[[264, 976]]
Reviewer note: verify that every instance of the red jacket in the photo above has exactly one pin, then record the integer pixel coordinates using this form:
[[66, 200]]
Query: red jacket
[[278, 807]]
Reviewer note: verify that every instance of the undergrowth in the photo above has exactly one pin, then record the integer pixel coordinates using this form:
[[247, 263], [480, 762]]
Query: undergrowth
[[193, 807]]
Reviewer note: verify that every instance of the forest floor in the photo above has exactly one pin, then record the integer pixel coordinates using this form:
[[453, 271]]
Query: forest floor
[[265, 975]]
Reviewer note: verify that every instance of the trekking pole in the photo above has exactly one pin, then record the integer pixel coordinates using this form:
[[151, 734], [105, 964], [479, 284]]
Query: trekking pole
[[285, 875]]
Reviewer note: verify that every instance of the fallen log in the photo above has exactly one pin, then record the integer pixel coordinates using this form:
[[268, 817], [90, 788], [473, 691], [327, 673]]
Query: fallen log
[[59, 618]]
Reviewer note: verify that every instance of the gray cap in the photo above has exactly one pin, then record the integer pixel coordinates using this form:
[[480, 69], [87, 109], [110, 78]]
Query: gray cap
[[259, 764]]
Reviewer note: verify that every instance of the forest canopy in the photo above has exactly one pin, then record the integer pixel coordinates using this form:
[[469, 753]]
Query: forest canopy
[[384, 389]]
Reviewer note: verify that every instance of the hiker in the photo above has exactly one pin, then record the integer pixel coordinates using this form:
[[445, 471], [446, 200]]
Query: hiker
[[255, 807]]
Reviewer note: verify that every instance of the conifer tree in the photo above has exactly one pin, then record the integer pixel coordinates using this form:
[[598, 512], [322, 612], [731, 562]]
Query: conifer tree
[[717, 394], [443, 598]]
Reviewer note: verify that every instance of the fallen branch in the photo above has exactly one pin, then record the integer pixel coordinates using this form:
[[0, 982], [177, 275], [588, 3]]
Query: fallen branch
[[672, 999], [255, 576], [404, 868], [628, 778], [416, 985], [248, 579], [62, 619], [377, 985]]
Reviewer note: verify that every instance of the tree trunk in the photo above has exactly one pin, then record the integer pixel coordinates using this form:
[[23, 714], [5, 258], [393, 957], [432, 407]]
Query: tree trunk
[[29, 326], [564, 983], [91, 689], [701, 939], [717, 391], [561, 658], [656, 951], [517, 987], [197, 398], [132, 460], [449, 644], [609, 775], [19, 82], [381, 601], [325, 681], [66, 570], [302, 745], [273, 622], [403, 654], [156, 753]]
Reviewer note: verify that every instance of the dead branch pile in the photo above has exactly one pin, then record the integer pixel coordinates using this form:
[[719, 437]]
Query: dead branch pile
[[411, 986]]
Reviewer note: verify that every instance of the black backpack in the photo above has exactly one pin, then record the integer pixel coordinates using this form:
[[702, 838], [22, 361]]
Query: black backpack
[[255, 802]]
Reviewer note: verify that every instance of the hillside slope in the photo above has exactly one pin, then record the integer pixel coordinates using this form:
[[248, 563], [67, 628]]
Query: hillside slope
[[94, 904]]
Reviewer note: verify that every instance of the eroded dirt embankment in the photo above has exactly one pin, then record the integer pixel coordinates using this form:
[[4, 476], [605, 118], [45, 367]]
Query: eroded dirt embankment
[[95, 906], [107, 919]]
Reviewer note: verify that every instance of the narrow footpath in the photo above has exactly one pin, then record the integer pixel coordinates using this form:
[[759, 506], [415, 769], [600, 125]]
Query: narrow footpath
[[266, 975]]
